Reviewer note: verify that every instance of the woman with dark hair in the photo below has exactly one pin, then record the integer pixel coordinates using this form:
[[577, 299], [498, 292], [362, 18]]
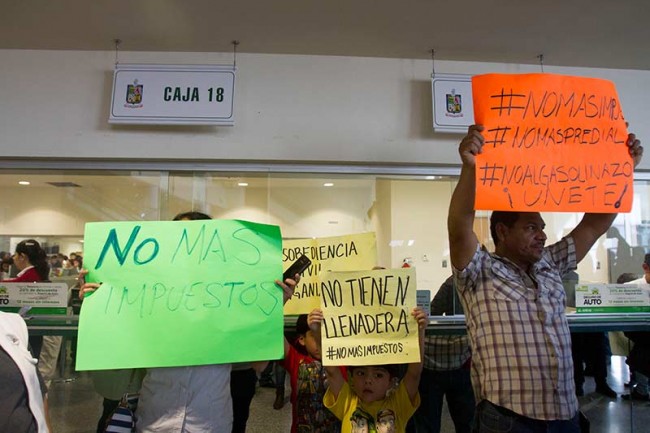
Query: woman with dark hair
[[30, 259]]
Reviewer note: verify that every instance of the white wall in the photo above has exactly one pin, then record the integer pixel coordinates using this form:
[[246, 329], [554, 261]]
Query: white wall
[[288, 108]]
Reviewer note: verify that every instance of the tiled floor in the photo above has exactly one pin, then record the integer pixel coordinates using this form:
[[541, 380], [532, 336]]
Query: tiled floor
[[75, 407]]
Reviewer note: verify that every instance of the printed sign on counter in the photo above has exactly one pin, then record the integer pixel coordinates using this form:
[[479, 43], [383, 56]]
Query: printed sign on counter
[[43, 298], [612, 298]]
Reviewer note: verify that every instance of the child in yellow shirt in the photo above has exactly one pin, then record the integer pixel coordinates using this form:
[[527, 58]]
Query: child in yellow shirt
[[367, 406]]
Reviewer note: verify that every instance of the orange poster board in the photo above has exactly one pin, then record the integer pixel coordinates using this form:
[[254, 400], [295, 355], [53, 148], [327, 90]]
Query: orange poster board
[[552, 143]]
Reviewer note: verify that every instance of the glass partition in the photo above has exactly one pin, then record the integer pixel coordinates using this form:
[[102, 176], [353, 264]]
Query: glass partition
[[408, 213]]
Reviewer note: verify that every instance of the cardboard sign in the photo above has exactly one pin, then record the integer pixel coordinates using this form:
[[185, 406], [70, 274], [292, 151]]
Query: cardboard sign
[[552, 143], [43, 298], [179, 293], [338, 253], [367, 317], [612, 298]]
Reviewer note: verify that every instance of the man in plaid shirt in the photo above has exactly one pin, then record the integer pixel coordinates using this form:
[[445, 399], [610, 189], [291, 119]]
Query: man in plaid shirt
[[522, 371]]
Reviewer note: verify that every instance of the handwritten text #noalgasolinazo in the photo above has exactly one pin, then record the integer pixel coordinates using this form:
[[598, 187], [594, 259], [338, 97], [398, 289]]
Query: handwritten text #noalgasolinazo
[[388, 290]]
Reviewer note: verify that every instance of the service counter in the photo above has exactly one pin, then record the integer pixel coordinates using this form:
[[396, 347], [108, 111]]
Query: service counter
[[67, 325]]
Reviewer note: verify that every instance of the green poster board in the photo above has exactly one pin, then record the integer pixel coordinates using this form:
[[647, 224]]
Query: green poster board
[[179, 293]]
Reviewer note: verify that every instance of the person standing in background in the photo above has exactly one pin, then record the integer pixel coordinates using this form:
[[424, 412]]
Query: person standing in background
[[5, 267], [639, 357], [588, 349], [446, 373]]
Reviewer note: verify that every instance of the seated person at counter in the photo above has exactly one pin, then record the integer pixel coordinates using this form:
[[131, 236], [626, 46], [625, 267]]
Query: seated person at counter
[[31, 261]]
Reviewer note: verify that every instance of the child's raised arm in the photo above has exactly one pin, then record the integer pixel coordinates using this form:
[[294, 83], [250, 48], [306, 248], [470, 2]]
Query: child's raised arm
[[414, 370], [334, 376]]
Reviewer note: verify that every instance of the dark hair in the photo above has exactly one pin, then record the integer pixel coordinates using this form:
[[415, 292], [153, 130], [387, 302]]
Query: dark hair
[[392, 369], [626, 278], [8, 261], [192, 215], [504, 217], [36, 256], [302, 327]]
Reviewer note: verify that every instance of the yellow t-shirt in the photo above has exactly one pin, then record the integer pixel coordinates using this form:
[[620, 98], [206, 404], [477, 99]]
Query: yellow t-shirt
[[389, 415]]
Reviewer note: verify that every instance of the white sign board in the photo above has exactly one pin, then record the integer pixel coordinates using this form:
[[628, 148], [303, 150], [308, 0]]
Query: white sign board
[[453, 107], [612, 298], [43, 298], [423, 300], [173, 95]]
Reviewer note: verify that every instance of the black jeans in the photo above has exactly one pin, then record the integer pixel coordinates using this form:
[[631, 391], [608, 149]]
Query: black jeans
[[491, 418], [456, 387], [242, 390]]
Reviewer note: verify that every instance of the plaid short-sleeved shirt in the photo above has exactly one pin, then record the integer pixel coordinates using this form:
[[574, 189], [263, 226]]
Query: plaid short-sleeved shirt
[[521, 344]]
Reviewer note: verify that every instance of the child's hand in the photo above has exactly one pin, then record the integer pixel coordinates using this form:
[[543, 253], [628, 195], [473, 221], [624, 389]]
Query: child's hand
[[421, 317], [288, 287], [314, 319]]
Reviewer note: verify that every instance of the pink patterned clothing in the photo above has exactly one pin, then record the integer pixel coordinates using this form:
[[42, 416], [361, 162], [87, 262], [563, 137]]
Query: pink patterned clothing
[[521, 344]]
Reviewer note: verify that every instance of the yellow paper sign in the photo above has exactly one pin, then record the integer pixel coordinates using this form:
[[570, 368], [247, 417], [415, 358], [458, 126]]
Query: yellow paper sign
[[367, 317], [339, 253]]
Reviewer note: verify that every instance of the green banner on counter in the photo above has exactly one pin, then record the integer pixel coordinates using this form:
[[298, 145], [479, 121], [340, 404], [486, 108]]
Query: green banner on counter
[[612, 298]]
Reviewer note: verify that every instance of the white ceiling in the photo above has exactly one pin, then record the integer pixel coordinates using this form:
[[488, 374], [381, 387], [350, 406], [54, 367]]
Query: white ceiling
[[591, 33]]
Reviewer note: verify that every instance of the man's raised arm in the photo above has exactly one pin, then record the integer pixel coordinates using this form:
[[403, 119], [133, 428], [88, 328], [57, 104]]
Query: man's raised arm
[[460, 222]]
